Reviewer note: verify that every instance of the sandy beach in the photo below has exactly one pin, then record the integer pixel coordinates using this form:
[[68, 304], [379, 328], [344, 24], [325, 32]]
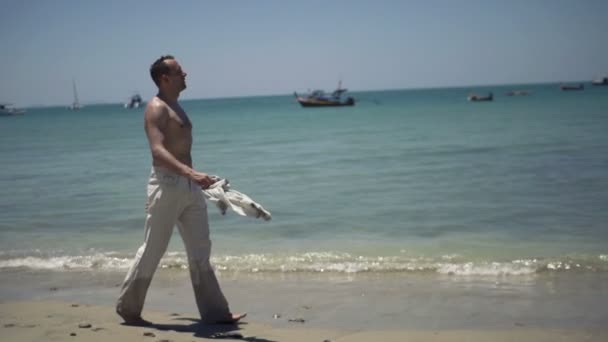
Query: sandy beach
[[64, 321], [71, 306]]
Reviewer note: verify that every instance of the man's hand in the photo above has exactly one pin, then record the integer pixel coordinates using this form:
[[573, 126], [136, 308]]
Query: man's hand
[[202, 179]]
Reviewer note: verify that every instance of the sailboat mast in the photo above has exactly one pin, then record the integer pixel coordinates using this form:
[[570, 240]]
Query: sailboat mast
[[76, 104]]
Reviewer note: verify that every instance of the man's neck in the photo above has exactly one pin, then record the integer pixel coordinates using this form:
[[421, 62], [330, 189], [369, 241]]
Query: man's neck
[[168, 97]]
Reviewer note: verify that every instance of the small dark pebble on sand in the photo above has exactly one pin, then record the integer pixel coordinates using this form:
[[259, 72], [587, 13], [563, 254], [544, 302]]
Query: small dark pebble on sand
[[72, 334], [149, 334], [84, 325], [174, 314], [53, 288], [276, 316], [226, 335], [9, 325], [75, 305], [297, 320]]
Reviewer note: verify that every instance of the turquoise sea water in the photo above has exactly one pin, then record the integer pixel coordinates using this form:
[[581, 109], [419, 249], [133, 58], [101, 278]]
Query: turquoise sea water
[[405, 181]]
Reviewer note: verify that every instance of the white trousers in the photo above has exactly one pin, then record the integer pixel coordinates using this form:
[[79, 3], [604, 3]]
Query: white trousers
[[174, 199]]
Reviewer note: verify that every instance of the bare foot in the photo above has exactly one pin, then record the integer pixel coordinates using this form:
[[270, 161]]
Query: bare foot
[[235, 318], [133, 320], [137, 322]]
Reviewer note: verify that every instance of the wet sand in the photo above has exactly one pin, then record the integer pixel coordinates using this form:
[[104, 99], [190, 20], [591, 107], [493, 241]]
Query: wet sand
[[49, 306]]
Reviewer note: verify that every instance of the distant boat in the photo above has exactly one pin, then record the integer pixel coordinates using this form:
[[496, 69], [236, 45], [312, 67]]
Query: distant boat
[[318, 98], [7, 109], [76, 104], [479, 98], [135, 101], [602, 81], [567, 87], [517, 93]]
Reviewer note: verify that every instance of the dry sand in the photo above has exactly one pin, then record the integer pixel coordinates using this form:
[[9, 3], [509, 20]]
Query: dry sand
[[32, 320]]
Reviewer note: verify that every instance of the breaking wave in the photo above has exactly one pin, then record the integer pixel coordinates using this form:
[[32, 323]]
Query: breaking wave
[[318, 262]]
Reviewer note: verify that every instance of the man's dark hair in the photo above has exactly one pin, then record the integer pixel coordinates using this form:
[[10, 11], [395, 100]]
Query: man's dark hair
[[159, 68]]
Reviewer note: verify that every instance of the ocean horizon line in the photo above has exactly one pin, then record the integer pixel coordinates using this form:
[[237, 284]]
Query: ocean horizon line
[[422, 88]]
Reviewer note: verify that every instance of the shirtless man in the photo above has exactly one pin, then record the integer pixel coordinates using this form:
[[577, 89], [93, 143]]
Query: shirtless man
[[174, 198]]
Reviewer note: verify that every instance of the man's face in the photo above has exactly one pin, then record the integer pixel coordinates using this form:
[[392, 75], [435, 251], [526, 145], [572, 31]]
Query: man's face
[[176, 77]]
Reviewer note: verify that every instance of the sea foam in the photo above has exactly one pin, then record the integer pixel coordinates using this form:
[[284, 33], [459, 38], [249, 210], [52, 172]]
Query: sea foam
[[317, 262]]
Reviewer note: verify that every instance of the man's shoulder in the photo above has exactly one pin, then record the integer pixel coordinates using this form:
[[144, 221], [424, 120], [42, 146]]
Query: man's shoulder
[[156, 102], [156, 107]]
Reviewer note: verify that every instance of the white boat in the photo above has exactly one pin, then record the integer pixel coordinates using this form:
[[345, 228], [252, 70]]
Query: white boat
[[7, 109], [76, 104], [135, 101], [318, 98], [602, 81]]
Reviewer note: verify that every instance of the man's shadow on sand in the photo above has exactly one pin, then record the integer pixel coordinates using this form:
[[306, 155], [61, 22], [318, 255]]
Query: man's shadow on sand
[[202, 330]]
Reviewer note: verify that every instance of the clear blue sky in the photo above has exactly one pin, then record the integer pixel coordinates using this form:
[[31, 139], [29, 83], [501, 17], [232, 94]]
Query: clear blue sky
[[240, 48]]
